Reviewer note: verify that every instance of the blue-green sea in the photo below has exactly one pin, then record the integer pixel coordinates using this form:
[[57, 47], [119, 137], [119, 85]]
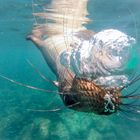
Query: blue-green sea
[[16, 121]]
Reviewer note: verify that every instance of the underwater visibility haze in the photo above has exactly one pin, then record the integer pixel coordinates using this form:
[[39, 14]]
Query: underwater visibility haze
[[113, 24]]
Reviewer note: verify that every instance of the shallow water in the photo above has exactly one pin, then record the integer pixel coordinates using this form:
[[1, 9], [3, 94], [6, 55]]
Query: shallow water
[[16, 122]]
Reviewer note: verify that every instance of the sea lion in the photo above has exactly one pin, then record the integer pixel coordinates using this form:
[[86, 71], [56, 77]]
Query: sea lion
[[79, 57]]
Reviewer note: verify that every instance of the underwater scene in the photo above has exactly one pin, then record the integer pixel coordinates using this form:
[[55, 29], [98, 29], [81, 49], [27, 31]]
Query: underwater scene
[[33, 108]]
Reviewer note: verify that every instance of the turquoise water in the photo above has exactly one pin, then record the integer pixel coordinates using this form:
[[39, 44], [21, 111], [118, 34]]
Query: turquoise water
[[16, 122]]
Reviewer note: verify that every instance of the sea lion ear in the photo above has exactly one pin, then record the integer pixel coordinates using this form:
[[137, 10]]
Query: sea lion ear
[[36, 40]]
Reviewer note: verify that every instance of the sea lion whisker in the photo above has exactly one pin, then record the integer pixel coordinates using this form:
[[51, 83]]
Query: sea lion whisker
[[132, 109], [131, 82], [131, 97], [65, 26], [33, 12], [130, 104], [70, 74], [56, 109], [135, 22], [125, 114], [129, 111], [28, 86], [55, 83], [133, 92]]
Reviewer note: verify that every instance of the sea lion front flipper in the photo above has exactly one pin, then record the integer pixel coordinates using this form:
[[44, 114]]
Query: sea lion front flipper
[[36, 40]]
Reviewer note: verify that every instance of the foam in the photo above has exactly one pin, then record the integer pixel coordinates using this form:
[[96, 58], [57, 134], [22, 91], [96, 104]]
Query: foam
[[103, 56]]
